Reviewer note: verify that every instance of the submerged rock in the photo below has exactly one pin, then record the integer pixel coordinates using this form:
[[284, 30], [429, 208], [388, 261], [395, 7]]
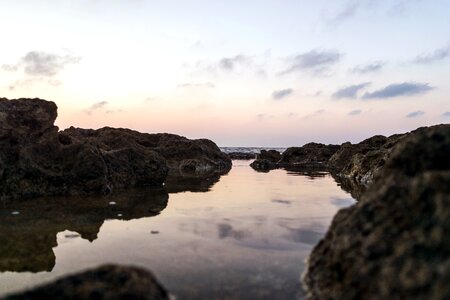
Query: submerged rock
[[392, 244], [106, 282]]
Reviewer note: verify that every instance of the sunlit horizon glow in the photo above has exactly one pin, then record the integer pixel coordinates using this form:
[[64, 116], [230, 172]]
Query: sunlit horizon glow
[[259, 73]]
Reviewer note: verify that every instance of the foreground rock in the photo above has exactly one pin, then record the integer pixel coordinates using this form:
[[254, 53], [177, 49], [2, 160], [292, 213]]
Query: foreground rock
[[392, 244], [37, 160], [106, 282]]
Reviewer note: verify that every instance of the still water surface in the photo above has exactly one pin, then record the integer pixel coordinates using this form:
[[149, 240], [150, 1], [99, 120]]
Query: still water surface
[[245, 236]]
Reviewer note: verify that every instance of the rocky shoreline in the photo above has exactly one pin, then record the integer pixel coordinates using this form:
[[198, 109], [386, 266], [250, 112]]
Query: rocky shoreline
[[36, 159], [392, 244]]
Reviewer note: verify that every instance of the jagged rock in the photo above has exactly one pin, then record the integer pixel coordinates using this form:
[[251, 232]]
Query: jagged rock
[[184, 157], [393, 243], [242, 155], [266, 160], [105, 282], [355, 166], [313, 154], [37, 160]]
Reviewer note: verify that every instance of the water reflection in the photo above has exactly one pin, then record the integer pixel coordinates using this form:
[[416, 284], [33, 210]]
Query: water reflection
[[244, 236], [178, 184], [27, 237]]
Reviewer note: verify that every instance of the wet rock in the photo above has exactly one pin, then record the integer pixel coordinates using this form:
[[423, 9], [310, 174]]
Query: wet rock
[[242, 155], [310, 154], [183, 157], [392, 244], [106, 282], [37, 160], [266, 160], [355, 166]]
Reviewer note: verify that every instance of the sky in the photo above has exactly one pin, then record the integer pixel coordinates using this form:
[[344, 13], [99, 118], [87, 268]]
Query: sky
[[241, 73]]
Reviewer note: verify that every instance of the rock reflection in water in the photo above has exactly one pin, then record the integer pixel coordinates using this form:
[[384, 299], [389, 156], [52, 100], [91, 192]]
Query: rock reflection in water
[[178, 184], [27, 238]]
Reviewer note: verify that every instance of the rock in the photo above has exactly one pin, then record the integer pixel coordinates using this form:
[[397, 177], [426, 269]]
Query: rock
[[311, 153], [266, 160], [184, 157], [242, 155], [105, 282], [35, 229], [37, 160], [355, 166], [393, 243]]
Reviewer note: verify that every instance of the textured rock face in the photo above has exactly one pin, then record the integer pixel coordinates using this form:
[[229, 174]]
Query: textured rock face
[[106, 282], [311, 153], [184, 157], [355, 166], [37, 160], [392, 244], [266, 160]]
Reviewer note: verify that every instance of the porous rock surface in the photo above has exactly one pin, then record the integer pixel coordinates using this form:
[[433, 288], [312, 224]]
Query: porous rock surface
[[393, 243], [36, 159]]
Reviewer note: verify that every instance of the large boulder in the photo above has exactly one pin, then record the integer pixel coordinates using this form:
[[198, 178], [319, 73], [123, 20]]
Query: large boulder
[[184, 157], [37, 160], [393, 243], [105, 282]]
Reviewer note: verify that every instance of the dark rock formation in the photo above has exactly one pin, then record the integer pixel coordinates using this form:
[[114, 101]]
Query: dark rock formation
[[266, 160], [312, 153], [355, 166], [183, 156], [37, 160], [106, 282], [312, 156], [242, 155], [392, 244], [28, 228]]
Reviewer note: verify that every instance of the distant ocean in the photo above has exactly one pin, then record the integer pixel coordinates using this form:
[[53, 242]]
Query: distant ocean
[[250, 149]]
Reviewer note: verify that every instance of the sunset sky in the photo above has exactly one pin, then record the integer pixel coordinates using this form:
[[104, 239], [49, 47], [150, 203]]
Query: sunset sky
[[242, 73]]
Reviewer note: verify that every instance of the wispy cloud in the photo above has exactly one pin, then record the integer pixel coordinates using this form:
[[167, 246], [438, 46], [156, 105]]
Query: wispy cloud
[[415, 114], [368, 68], [435, 56], [39, 63], [316, 61], [446, 114], [350, 91], [96, 106], [355, 112], [263, 117], [209, 85], [315, 114], [280, 94], [348, 11], [230, 63], [398, 90]]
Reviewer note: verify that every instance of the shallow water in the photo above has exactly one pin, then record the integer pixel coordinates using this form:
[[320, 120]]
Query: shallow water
[[244, 237]]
